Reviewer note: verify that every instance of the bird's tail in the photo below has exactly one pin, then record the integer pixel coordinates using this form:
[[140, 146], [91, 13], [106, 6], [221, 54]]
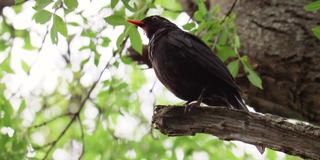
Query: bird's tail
[[237, 102]]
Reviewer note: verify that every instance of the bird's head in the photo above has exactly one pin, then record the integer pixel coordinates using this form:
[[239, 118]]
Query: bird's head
[[152, 24]]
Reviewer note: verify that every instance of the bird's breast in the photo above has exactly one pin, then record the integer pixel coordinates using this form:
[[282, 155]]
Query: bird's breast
[[174, 70]]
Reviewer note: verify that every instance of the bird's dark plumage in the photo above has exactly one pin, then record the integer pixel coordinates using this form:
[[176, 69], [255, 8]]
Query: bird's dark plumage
[[187, 66]]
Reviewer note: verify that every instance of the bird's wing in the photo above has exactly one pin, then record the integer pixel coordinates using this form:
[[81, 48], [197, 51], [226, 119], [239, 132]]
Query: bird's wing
[[201, 54]]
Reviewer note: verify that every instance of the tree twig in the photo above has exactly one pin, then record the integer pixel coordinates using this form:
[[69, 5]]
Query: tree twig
[[50, 120], [82, 138], [229, 11], [270, 131]]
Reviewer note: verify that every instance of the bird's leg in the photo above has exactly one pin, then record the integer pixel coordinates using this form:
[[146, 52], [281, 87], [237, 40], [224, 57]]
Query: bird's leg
[[196, 103]]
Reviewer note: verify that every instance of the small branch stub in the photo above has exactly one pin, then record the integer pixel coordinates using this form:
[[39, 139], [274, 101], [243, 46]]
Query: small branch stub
[[270, 131]]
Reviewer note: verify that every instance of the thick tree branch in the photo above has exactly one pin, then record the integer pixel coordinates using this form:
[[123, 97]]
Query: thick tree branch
[[270, 131]]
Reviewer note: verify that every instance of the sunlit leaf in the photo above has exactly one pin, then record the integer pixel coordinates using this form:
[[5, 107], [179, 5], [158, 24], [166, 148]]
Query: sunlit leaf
[[255, 79], [271, 155], [114, 3], [135, 40], [71, 4], [27, 42], [54, 34], [115, 20], [25, 67], [127, 5], [126, 60], [314, 6], [97, 59], [121, 39], [237, 43], [105, 41], [42, 3], [60, 25], [251, 74], [316, 31], [42, 16], [19, 1], [224, 52], [189, 26], [172, 5], [5, 65], [88, 33], [3, 45], [234, 68]]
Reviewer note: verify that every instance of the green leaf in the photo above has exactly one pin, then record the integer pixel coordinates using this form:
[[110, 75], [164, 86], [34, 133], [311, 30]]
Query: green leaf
[[42, 16], [71, 4], [189, 26], [237, 43], [234, 68], [271, 155], [172, 5], [5, 65], [252, 75], [316, 31], [88, 33], [115, 20], [85, 61], [135, 40], [27, 42], [60, 25], [57, 4], [96, 58], [40, 4], [25, 67], [314, 6], [19, 1], [127, 5], [121, 39], [75, 24], [3, 45], [54, 34], [126, 60], [114, 3], [224, 52], [105, 41], [22, 106], [170, 14], [254, 79]]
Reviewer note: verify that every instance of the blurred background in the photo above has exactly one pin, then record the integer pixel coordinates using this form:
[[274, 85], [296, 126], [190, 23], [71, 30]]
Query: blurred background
[[69, 88]]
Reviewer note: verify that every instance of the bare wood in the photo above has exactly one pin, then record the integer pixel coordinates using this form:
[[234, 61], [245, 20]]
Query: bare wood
[[270, 131]]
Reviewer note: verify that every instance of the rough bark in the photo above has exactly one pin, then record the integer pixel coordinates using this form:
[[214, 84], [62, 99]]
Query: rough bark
[[277, 37], [270, 131]]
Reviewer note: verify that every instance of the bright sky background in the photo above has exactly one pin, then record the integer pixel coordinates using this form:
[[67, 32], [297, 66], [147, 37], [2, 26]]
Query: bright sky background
[[48, 67]]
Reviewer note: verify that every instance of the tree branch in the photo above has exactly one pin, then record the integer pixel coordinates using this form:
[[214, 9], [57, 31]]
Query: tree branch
[[270, 131]]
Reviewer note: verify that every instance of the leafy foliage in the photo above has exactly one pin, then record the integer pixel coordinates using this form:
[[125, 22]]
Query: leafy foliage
[[226, 42], [79, 115], [313, 7]]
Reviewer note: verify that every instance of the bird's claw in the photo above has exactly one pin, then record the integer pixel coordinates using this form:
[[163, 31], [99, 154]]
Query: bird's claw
[[191, 105]]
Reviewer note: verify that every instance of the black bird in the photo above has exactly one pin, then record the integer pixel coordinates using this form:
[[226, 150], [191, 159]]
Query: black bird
[[187, 66]]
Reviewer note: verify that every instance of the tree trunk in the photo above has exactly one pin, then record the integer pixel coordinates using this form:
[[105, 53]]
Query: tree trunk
[[277, 37]]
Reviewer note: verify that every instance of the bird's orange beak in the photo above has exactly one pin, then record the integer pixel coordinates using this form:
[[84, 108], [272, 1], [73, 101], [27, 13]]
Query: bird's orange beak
[[136, 22]]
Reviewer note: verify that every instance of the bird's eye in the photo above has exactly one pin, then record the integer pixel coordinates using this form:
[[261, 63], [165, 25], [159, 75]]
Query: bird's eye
[[154, 18]]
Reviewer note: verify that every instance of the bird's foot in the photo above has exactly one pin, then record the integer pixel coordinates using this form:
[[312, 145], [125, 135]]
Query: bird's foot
[[191, 105]]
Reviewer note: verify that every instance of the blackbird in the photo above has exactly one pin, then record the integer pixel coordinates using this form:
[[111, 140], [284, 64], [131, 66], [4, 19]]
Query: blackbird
[[187, 67]]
